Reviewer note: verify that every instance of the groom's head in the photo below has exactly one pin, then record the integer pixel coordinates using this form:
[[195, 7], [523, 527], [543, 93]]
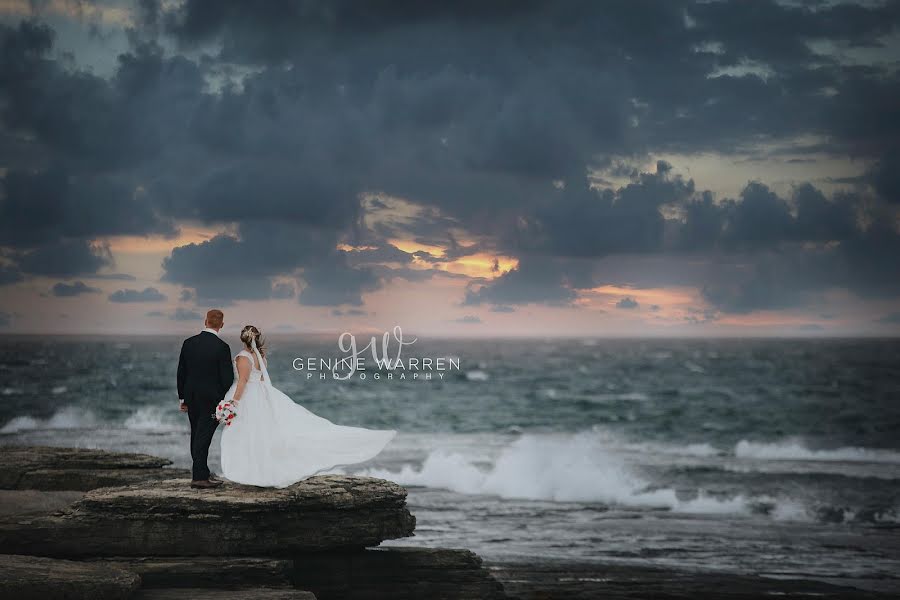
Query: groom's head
[[215, 318]]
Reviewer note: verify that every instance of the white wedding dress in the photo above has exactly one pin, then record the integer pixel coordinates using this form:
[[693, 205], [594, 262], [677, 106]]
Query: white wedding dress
[[274, 442]]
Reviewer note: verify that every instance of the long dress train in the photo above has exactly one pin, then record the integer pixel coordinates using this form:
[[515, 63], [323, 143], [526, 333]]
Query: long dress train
[[274, 442]]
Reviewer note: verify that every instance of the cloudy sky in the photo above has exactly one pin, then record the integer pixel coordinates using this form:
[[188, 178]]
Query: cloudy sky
[[511, 167]]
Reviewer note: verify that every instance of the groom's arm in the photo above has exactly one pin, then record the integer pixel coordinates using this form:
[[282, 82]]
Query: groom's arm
[[181, 374], [226, 372]]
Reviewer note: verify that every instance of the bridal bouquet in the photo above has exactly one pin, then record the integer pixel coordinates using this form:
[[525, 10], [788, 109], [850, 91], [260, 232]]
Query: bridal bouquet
[[225, 412]]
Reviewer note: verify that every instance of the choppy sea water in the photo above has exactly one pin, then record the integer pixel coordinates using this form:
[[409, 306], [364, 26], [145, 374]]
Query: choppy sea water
[[779, 457]]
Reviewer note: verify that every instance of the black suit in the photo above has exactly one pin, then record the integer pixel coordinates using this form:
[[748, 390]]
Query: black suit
[[204, 375]]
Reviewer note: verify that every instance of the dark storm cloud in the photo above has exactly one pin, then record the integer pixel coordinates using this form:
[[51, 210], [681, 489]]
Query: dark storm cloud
[[76, 115], [769, 284], [427, 226], [284, 113], [265, 250], [381, 253], [386, 273], [660, 54], [45, 205], [868, 261], [73, 189], [68, 290], [821, 219], [65, 258], [788, 252], [760, 218], [794, 275], [758, 252], [535, 280], [153, 165], [885, 176], [627, 303], [10, 275], [149, 294], [210, 268], [580, 221], [273, 188], [335, 282], [5, 319]]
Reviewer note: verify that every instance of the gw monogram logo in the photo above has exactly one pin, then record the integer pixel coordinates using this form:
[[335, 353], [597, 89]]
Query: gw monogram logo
[[389, 362]]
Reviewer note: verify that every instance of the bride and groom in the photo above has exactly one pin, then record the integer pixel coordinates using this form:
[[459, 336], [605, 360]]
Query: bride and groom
[[272, 441]]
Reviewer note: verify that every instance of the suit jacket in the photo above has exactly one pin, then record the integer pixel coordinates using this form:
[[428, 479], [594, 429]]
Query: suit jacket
[[204, 370]]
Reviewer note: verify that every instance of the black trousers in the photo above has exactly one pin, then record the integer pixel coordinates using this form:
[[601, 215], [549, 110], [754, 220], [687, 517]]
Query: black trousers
[[203, 427]]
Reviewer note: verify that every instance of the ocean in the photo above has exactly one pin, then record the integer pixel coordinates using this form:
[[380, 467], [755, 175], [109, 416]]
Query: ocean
[[770, 456]]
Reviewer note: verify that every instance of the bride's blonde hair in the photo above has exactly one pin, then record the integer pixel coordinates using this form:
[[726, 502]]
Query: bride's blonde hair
[[250, 333]]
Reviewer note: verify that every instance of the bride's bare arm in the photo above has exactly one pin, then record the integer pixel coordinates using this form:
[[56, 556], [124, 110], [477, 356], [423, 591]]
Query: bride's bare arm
[[243, 369]]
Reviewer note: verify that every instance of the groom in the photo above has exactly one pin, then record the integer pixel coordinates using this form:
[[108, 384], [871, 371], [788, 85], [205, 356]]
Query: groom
[[204, 375]]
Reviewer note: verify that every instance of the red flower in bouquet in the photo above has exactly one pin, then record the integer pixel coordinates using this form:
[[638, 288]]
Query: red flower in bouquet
[[225, 412]]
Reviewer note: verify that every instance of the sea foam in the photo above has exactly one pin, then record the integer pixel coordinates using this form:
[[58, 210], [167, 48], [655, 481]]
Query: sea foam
[[560, 468], [151, 418], [65, 418], [795, 450]]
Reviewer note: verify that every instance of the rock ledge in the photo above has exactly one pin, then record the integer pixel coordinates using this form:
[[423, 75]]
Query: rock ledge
[[79, 469], [168, 518]]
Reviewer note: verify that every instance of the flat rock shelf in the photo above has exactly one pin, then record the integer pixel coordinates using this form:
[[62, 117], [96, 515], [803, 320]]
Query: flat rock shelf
[[168, 518], [78, 469], [113, 525], [27, 577]]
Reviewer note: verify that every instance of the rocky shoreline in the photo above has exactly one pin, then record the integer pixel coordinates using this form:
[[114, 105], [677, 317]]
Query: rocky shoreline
[[168, 518], [112, 525], [78, 523]]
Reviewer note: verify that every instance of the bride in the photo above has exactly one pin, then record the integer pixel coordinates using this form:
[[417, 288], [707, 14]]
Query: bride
[[273, 441]]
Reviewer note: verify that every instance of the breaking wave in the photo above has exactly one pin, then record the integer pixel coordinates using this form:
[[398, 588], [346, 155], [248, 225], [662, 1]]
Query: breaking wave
[[572, 468], [65, 418], [153, 418], [146, 418]]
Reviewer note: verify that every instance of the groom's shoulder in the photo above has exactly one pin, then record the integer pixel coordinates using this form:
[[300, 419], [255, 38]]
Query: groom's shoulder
[[204, 338], [191, 340]]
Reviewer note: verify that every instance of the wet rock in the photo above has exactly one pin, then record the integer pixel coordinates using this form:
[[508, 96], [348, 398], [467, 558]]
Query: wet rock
[[34, 502], [240, 594], [205, 571], [168, 518], [29, 577], [396, 573], [80, 469]]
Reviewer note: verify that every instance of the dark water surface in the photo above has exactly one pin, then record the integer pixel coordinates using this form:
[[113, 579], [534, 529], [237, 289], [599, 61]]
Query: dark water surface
[[765, 456]]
